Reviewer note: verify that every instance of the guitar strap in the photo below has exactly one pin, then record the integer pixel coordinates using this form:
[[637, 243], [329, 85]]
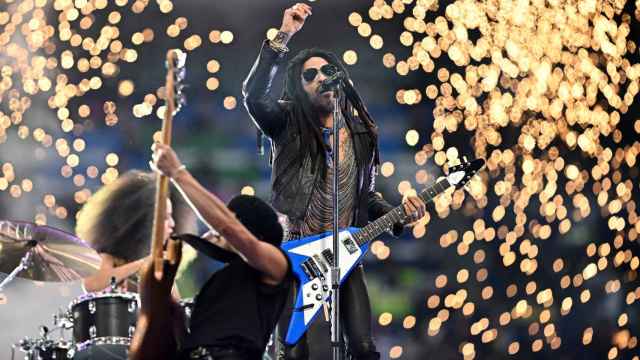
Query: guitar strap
[[213, 251]]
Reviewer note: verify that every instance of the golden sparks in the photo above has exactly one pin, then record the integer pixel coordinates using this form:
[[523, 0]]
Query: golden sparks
[[539, 90], [63, 53], [212, 83], [230, 102], [248, 190], [350, 57]]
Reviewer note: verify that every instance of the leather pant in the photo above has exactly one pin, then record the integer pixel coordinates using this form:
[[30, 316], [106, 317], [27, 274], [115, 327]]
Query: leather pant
[[355, 311]]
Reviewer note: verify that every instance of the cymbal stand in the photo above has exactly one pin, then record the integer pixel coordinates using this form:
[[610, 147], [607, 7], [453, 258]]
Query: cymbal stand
[[25, 262]]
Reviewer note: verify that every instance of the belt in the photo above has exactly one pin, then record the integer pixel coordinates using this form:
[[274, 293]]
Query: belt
[[215, 352]]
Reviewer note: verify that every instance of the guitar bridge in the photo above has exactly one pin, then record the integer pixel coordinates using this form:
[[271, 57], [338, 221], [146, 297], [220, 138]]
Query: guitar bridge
[[307, 270], [315, 268]]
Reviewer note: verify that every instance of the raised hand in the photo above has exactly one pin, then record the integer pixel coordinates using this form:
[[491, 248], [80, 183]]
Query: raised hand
[[165, 160], [294, 18]]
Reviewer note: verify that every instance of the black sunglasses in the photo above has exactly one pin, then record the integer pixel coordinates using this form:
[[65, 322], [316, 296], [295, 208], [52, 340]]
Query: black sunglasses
[[311, 73]]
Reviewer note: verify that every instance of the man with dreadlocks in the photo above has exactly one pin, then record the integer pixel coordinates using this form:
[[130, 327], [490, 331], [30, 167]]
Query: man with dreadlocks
[[300, 128]]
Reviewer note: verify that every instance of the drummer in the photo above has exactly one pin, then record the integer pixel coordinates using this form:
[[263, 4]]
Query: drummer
[[117, 221]]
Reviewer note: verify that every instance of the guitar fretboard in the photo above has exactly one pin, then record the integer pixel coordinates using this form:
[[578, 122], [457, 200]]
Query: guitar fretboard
[[385, 222]]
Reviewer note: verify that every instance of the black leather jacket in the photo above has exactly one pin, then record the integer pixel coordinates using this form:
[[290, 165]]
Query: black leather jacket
[[292, 181]]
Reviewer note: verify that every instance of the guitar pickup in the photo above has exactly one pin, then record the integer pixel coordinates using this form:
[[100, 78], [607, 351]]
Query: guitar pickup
[[328, 256], [350, 245], [319, 262]]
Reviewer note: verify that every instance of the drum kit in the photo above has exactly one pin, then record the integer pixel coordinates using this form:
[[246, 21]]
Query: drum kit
[[101, 323]]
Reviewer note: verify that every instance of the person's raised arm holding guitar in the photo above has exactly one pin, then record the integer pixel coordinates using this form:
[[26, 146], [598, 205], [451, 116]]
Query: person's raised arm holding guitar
[[260, 255], [238, 307]]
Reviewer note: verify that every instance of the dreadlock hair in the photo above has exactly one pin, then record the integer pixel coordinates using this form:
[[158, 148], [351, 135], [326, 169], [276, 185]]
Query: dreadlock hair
[[307, 120], [118, 218]]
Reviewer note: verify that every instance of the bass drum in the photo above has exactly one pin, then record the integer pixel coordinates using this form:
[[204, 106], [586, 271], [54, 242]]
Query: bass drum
[[103, 325]]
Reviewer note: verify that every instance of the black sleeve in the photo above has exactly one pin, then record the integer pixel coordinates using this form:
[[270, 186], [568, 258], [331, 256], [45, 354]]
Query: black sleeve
[[377, 206], [265, 111]]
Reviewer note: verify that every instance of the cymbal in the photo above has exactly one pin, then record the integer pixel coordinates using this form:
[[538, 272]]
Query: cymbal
[[56, 255]]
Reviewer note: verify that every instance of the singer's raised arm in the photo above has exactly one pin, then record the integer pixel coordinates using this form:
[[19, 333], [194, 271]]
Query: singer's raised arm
[[264, 109], [266, 112]]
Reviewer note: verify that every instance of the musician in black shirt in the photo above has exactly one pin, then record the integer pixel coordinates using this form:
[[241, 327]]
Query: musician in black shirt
[[237, 309]]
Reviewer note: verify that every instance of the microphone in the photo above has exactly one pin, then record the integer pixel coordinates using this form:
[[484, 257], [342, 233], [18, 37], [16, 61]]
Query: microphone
[[331, 82]]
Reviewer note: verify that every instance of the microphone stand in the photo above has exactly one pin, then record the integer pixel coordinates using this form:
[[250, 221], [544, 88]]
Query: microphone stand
[[336, 334]]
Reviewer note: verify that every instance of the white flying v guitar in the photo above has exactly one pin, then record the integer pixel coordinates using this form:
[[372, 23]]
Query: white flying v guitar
[[312, 257]]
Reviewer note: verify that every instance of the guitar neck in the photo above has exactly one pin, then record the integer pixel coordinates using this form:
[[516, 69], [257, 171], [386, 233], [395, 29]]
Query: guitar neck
[[162, 183], [385, 222]]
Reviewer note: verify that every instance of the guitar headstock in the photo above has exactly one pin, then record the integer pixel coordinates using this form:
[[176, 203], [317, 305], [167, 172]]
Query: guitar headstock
[[176, 60], [459, 175]]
